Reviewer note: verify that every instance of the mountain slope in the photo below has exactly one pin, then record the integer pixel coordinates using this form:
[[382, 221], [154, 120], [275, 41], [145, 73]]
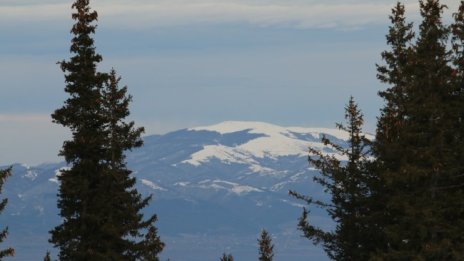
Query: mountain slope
[[214, 188]]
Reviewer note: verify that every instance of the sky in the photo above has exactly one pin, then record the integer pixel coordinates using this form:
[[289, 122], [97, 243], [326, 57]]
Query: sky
[[196, 62]]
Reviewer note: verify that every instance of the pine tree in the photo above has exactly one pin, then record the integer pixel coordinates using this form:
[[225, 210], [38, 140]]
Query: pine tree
[[350, 187], [414, 151], [227, 257], [98, 203], [4, 174], [423, 169], [47, 257], [387, 147], [153, 245], [396, 73], [453, 184], [266, 248]]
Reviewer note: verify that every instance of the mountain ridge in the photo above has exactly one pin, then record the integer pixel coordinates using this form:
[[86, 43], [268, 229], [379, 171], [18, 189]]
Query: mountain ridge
[[215, 185]]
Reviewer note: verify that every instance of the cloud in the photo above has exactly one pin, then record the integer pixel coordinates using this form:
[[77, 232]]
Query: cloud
[[297, 15], [161, 13]]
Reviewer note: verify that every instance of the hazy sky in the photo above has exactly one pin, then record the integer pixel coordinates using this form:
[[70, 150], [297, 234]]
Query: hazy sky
[[195, 62]]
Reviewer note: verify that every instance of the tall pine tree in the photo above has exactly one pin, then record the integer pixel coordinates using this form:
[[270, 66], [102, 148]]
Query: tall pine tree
[[387, 148], [4, 174], [100, 208], [395, 73], [349, 185], [414, 147]]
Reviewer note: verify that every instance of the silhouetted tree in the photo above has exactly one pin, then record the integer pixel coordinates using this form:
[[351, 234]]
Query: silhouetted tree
[[47, 257], [227, 257], [153, 245], [415, 146], [100, 208], [349, 182], [266, 248], [4, 174]]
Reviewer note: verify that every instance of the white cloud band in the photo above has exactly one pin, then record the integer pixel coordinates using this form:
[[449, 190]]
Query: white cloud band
[[160, 13]]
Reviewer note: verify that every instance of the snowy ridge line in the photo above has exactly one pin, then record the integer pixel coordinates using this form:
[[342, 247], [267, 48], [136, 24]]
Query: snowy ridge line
[[276, 142], [264, 128], [267, 128]]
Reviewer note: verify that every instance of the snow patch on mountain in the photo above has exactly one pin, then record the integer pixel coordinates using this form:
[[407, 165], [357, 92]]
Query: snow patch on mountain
[[226, 154], [276, 142], [293, 203], [54, 180], [152, 185], [279, 186], [58, 172], [264, 170], [269, 129], [229, 186], [30, 174], [182, 184]]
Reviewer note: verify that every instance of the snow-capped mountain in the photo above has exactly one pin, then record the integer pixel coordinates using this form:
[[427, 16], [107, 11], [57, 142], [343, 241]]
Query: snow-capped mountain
[[271, 141], [214, 189]]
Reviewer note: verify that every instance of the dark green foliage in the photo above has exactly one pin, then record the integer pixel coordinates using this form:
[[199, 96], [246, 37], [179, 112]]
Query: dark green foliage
[[266, 248], [97, 200], [350, 186], [4, 174], [458, 45], [408, 202], [47, 257], [390, 127], [458, 88], [227, 257], [419, 140], [153, 245], [395, 73]]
